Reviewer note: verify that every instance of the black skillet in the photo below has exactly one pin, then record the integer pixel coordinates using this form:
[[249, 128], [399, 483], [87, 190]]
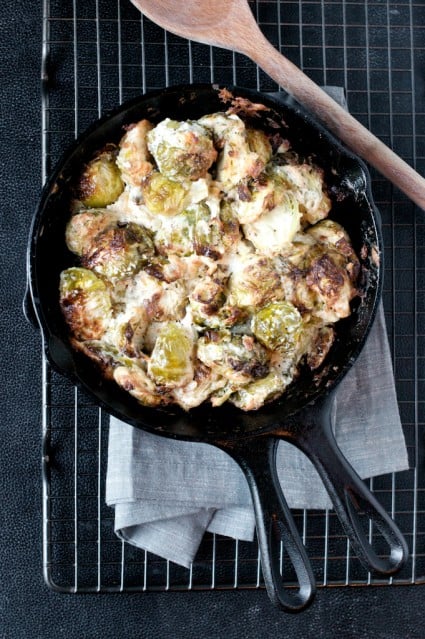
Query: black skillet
[[302, 415]]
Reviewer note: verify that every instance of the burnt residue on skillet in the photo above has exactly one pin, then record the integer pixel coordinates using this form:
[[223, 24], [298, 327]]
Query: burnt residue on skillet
[[352, 206]]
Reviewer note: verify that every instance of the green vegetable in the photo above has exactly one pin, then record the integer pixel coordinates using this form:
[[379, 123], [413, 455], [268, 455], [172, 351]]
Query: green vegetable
[[182, 150], [163, 195], [260, 144], [238, 358], [120, 251], [83, 228], [101, 183], [277, 326], [85, 303], [254, 395], [171, 359]]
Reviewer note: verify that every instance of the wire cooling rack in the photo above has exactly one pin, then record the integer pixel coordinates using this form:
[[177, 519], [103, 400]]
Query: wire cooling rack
[[98, 53]]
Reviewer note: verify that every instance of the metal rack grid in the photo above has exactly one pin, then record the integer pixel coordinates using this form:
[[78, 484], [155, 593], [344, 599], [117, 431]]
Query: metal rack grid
[[99, 53]]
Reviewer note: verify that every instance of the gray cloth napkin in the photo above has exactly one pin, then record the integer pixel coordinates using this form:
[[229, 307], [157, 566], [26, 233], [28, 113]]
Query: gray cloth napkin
[[167, 493]]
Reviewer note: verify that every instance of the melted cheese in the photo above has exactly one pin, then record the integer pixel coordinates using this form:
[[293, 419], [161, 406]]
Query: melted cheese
[[235, 246]]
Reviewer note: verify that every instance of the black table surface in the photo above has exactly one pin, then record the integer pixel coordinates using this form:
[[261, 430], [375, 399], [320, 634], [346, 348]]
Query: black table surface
[[27, 607]]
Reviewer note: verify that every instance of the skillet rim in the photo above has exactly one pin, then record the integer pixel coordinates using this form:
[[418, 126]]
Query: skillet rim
[[48, 337]]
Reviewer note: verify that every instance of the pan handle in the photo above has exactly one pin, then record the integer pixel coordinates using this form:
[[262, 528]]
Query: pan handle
[[348, 492], [274, 522]]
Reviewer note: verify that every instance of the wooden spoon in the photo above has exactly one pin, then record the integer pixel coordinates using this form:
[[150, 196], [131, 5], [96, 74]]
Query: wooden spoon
[[231, 25]]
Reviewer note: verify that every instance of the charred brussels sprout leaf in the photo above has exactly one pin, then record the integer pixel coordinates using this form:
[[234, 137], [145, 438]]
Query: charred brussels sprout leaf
[[171, 359], [277, 326], [163, 195], [101, 183]]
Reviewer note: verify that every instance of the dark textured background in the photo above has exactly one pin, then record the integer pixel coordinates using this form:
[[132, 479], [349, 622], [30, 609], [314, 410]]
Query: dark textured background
[[27, 607]]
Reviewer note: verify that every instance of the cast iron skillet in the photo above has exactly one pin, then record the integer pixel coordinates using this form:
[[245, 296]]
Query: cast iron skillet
[[302, 415]]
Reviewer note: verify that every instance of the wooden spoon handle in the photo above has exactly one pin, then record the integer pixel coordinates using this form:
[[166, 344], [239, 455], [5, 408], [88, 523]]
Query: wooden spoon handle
[[357, 137]]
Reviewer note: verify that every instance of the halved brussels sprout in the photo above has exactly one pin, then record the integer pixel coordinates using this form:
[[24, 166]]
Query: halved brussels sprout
[[171, 361], [100, 183], [236, 161], [120, 251], [254, 395], [85, 303], [207, 238], [260, 144], [229, 224], [192, 231], [306, 181], [83, 228], [238, 358], [162, 195], [127, 331], [204, 383], [134, 158], [182, 150], [329, 232], [255, 282], [206, 298], [254, 198], [277, 326], [135, 381], [275, 229]]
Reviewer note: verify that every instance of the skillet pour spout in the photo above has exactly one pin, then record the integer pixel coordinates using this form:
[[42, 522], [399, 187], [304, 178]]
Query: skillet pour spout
[[301, 416]]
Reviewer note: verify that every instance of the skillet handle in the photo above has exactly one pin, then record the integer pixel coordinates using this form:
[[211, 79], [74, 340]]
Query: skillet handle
[[274, 523], [348, 492]]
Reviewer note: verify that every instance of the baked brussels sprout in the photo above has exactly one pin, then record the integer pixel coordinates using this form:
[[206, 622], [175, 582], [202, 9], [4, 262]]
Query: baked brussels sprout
[[162, 195], [105, 354], [182, 150], [255, 282], [205, 382], [85, 303], [277, 326], [134, 159], [328, 232], [120, 251], [171, 361], [306, 181], [275, 229], [100, 183], [207, 236], [193, 231], [176, 236], [256, 394], [259, 143], [228, 224], [237, 358], [83, 228], [236, 161], [206, 299], [135, 381], [128, 330]]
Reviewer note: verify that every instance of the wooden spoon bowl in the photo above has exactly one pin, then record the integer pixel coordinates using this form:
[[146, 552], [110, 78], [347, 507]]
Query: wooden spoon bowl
[[230, 24]]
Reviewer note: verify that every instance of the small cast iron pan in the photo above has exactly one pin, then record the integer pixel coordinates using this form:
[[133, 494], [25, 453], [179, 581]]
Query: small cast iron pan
[[302, 415]]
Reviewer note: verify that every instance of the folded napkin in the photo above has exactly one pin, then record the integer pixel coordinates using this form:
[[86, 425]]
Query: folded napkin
[[167, 493]]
